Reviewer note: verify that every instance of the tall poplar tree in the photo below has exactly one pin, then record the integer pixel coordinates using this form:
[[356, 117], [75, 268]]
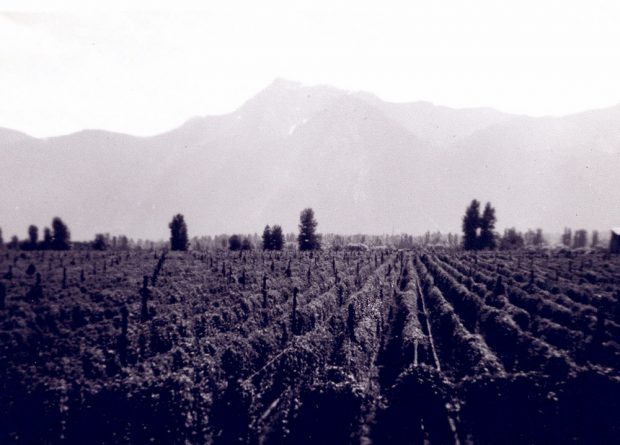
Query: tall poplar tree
[[487, 227], [178, 233], [471, 223]]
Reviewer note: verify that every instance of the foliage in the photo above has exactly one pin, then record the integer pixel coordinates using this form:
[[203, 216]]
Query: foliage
[[511, 240], [273, 238], [580, 239], [234, 243], [33, 236], [14, 243], [101, 242], [308, 239], [471, 223], [178, 233], [277, 238], [353, 346], [478, 231], [61, 237], [246, 244], [534, 238], [487, 226], [567, 237], [267, 243], [47, 239]]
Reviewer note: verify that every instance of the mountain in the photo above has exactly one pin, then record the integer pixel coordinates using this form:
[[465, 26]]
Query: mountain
[[365, 165]]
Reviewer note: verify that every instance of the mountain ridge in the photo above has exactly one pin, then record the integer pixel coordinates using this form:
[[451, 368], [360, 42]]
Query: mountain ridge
[[278, 81]]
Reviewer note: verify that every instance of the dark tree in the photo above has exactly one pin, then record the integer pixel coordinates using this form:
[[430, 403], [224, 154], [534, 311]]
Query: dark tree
[[511, 240], [273, 238], [534, 238], [471, 223], [1, 239], [277, 238], [567, 237], [234, 243], [100, 242], [267, 244], [178, 233], [246, 244], [487, 227], [61, 239], [47, 239], [593, 244], [14, 243], [580, 239], [33, 236], [308, 238]]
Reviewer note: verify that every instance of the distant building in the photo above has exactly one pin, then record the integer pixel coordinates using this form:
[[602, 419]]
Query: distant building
[[614, 242]]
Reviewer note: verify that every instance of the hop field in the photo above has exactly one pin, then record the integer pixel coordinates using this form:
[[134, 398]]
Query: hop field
[[382, 347]]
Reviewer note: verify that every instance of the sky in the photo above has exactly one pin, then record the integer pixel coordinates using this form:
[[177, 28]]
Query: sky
[[145, 67]]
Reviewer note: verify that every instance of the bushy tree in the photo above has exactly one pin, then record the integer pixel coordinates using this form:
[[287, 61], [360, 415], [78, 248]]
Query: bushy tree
[[277, 238], [178, 233], [14, 243], [471, 224], [47, 239], [61, 238], [511, 240], [308, 238], [33, 236], [487, 227], [273, 238], [246, 244], [100, 242], [479, 231], [1, 239], [534, 238], [594, 238], [234, 243], [337, 242]]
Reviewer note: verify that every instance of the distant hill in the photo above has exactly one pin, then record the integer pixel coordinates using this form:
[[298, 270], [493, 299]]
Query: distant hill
[[364, 165]]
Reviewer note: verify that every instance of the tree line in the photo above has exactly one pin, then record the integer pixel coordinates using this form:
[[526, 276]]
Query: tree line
[[478, 230], [58, 237], [272, 239], [478, 234], [579, 239]]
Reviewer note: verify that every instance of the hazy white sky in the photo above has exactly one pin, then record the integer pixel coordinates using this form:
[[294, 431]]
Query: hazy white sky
[[65, 66]]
